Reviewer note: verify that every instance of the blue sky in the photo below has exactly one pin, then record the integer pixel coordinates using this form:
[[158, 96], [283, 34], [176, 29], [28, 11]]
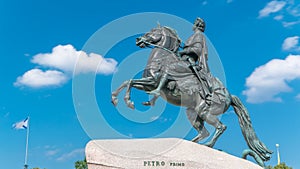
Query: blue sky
[[257, 42]]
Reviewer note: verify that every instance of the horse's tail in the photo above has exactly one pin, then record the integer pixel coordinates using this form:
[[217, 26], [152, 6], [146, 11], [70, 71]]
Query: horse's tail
[[249, 134]]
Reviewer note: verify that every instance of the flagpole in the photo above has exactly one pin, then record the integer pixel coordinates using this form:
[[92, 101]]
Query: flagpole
[[278, 155], [26, 152]]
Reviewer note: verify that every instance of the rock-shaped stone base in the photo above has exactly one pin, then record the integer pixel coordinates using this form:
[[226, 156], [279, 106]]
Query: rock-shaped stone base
[[167, 153]]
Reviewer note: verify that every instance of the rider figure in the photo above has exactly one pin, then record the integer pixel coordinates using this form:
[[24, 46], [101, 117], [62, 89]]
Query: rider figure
[[195, 52]]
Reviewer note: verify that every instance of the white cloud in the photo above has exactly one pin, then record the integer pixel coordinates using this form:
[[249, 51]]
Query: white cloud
[[287, 12], [278, 17], [291, 43], [289, 24], [67, 57], [272, 7], [294, 10], [298, 97], [51, 152], [269, 80], [49, 147], [36, 78], [70, 155], [62, 61]]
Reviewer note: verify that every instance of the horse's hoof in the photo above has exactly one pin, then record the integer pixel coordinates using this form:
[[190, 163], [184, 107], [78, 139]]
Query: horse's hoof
[[131, 105], [196, 139], [209, 145], [148, 103], [114, 101]]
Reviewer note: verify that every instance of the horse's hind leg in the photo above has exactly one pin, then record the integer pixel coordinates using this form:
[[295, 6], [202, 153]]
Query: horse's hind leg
[[220, 128], [198, 124], [202, 131]]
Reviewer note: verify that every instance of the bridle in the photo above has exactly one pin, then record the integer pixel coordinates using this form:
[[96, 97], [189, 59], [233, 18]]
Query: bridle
[[150, 45]]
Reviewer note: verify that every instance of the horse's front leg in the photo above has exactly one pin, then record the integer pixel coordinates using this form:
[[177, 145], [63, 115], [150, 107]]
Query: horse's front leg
[[127, 100], [140, 84], [114, 94], [151, 102]]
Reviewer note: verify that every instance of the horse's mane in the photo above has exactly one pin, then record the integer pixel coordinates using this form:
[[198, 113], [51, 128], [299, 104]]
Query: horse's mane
[[174, 35], [173, 32]]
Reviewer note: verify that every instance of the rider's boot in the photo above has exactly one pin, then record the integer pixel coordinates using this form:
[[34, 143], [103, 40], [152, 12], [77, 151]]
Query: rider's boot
[[208, 91], [162, 82], [207, 94], [208, 98]]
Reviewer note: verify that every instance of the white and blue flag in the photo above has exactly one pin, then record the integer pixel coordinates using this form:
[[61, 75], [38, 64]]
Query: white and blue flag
[[22, 124]]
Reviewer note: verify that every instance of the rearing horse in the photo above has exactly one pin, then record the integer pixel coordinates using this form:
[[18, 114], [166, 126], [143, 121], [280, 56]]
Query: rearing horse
[[183, 89]]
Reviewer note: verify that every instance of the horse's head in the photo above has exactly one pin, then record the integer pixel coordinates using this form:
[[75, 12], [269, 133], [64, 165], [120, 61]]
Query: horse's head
[[149, 38], [163, 37]]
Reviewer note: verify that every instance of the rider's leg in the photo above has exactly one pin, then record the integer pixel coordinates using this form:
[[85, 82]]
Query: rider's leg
[[162, 82], [207, 90]]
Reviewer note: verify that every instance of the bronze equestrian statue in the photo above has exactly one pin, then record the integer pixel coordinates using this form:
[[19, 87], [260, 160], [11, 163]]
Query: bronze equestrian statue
[[183, 78]]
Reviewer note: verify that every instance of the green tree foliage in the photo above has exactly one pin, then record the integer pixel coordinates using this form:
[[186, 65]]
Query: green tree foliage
[[280, 166], [81, 164]]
